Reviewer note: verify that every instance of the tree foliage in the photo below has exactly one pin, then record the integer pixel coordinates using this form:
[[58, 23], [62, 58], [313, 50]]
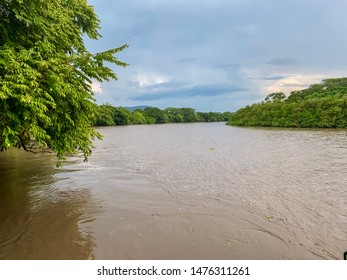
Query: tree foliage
[[46, 72], [320, 105], [275, 96], [105, 115], [157, 114], [109, 115]]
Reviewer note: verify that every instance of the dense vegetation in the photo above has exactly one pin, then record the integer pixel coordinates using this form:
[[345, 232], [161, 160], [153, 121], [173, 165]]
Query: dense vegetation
[[321, 105], [46, 99], [110, 115]]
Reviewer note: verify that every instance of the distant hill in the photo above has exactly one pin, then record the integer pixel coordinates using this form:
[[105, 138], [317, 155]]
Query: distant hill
[[133, 108]]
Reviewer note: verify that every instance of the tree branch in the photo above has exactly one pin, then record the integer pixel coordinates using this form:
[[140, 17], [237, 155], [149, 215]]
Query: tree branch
[[23, 145]]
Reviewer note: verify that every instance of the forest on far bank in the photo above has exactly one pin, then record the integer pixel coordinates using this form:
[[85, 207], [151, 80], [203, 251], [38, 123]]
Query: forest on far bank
[[322, 105], [108, 115]]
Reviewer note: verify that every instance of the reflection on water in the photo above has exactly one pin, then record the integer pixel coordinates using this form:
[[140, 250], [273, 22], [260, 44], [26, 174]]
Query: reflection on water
[[40, 218], [187, 191]]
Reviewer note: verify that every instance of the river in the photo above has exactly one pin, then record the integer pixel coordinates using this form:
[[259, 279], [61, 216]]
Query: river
[[180, 191]]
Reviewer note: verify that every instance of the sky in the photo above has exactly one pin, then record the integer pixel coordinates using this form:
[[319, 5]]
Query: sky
[[218, 55]]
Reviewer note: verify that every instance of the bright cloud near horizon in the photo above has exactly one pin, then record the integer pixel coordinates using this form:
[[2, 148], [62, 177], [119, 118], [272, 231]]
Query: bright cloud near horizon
[[218, 55]]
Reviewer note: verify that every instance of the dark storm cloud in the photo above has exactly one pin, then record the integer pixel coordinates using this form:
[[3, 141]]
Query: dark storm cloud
[[186, 92], [273, 78]]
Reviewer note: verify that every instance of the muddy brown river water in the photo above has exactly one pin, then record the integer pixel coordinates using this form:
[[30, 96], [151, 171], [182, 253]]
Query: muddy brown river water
[[180, 191]]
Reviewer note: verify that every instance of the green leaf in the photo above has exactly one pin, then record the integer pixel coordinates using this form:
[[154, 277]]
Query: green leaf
[[45, 75]]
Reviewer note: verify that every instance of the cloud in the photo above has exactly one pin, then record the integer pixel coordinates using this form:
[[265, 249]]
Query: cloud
[[294, 82], [245, 31], [273, 78], [167, 85], [180, 48], [189, 91], [150, 79], [282, 61], [185, 60], [96, 87], [227, 65]]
